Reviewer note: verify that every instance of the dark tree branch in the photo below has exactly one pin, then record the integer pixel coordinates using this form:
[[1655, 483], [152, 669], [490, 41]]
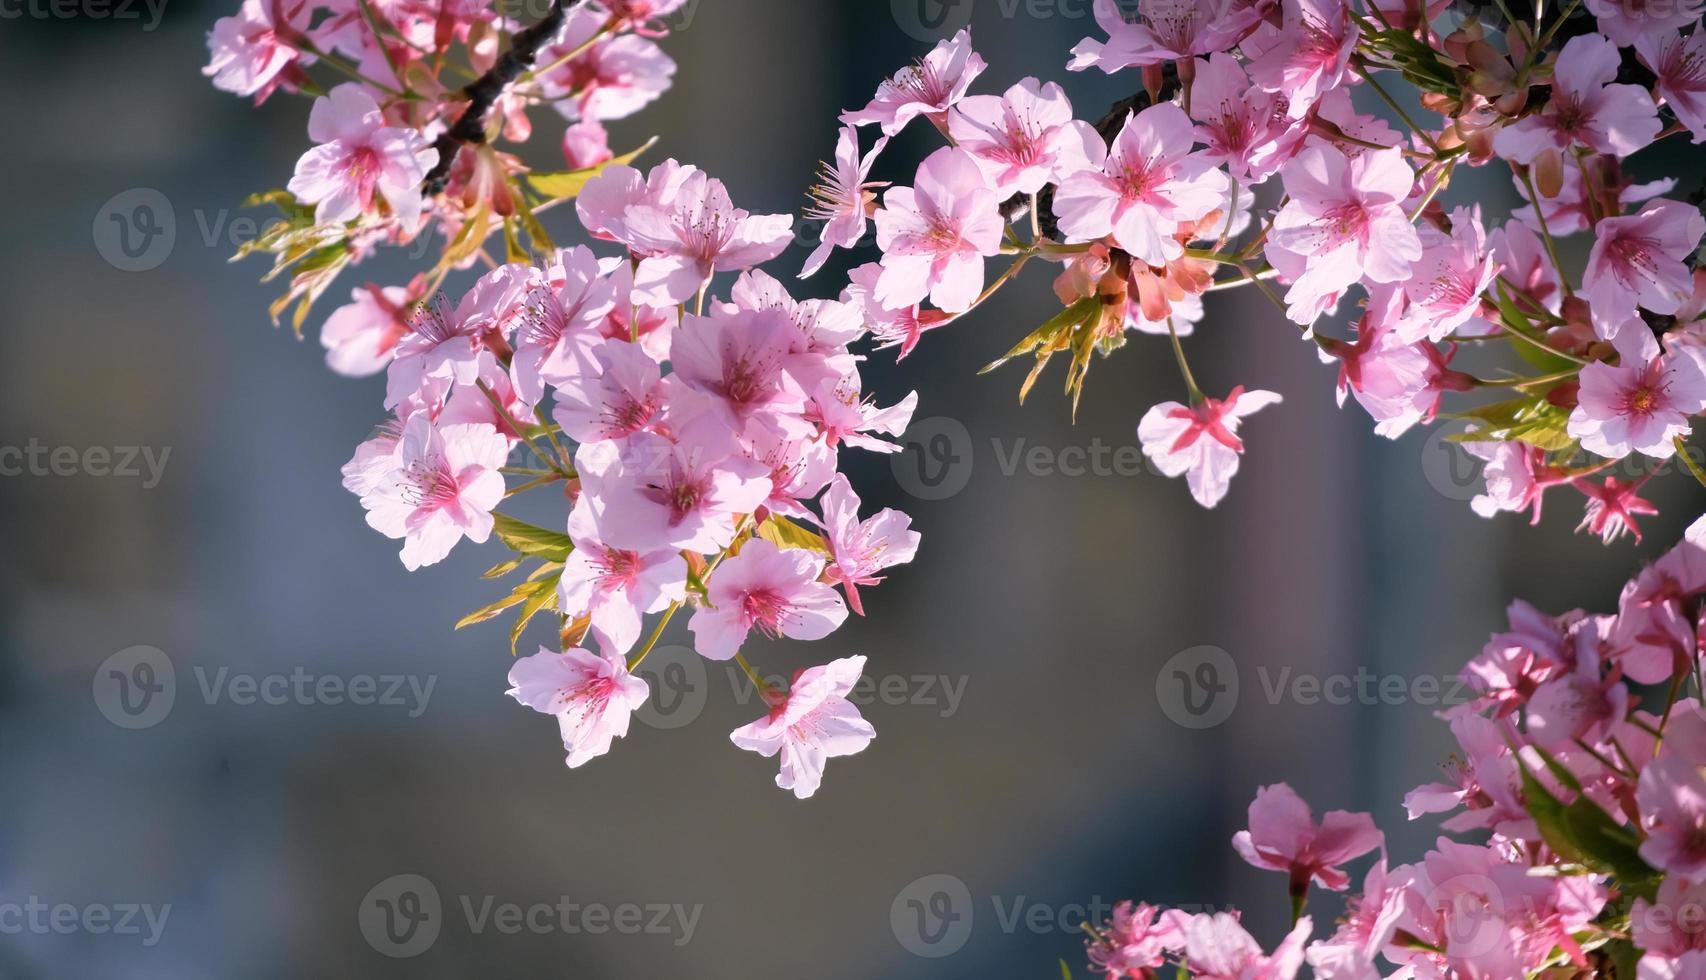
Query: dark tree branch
[[483, 92]]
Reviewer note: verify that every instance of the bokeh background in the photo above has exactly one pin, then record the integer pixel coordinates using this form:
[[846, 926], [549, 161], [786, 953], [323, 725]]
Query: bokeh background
[[971, 836]]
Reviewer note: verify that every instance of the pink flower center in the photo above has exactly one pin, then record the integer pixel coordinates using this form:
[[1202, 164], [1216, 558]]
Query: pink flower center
[[428, 484], [764, 608]]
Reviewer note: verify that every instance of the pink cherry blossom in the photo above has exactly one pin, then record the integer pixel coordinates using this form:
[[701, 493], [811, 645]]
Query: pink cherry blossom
[[1627, 22], [652, 327], [647, 493], [698, 233], [1680, 64], [1485, 781], [928, 88], [812, 724], [843, 198], [901, 326], [1240, 125], [745, 363], [1023, 139], [448, 345], [1586, 108], [1569, 211], [1284, 836], [772, 590], [439, 486], [592, 697], [1345, 222], [1167, 30], [1217, 947], [1638, 260], [1612, 507], [936, 234], [586, 145], [361, 336], [358, 156], [1671, 795], [254, 49], [1446, 284], [1369, 923], [1309, 56], [1671, 924], [615, 78], [1148, 183], [618, 588], [799, 468], [1641, 404], [560, 328], [1517, 475], [844, 417], [861, 549], [1201, 441], [1688, 966], [1137, 940], [626, 395], [1584, 703], [603, 204]]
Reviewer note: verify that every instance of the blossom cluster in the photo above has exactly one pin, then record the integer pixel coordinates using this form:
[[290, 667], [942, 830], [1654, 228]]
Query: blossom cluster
[[1574, 814], [406, 143], [1155, 205], [695, 436]]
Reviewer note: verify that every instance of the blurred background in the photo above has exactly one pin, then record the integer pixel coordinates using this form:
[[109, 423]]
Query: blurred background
[[1038, 756]]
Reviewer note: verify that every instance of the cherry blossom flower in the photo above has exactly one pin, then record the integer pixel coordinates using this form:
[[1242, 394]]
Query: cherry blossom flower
[[745, 363], [1370, 921], [1627, 22], [556, 335], [361, 336], [1446, 284], [1345, 222], [1307, 57], [359, 156], [1688, 966], [1201, 441], [936, 234], [1485, 780], [698, 233], [812, 724], [652, 327], [860, 549], [1670, 925], [1218, 948], [1516, 476], [1680, 64], [586, 145], [592, 697], [1137, 939], [626, 395], [647, 493], [843, 417], [1569, 210], [1641, 404], [613, 79], [1638, 260], [1671, 794], [1612, 507], [1143, 188], [1167, 30], [448, 345], [772, 590], [1024, 139], [1241, 125], [902, 326], [1586, 108], [603, 204], [254, 49], [799, 468], [439, 486], [843, 198], [1283, 836], [617, 588], [928, 88]]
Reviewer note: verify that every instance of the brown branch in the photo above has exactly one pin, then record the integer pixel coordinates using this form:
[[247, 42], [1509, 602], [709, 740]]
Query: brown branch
[[483, 92]]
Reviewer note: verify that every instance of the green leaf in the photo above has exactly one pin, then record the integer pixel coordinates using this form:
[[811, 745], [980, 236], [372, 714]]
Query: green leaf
[[533, 542], [1050, 333], [1583, 833], [1065, 971], [544, 596], [784, 534], [1689, 461], [500, 570], [568, 183], [522, 593]]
